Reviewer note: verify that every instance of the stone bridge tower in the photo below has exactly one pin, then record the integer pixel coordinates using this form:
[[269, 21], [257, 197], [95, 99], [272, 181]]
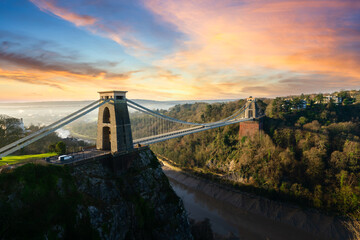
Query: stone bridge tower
[[114, 128], [250, 128], [251, 111]]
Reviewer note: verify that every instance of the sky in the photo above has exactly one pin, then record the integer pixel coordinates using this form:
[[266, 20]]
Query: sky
[[177, 49]]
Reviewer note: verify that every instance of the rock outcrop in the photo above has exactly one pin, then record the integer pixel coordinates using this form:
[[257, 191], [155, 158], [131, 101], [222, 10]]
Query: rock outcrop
[[98, 199]]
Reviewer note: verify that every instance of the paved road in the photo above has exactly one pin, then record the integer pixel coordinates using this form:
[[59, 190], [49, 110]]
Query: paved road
[[78, 156]]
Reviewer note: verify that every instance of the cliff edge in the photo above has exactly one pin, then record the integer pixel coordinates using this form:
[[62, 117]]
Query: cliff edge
[[99, 199]]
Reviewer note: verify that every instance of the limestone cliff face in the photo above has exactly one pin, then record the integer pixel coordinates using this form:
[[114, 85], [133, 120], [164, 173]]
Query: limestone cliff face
[[122, 197], [135, 202], [132, 202]]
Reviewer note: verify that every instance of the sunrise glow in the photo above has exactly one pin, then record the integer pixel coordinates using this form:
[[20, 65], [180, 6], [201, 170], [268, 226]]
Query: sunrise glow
[[165, 50]]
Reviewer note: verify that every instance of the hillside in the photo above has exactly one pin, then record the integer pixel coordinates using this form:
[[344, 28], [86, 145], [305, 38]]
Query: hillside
[[309, 156]]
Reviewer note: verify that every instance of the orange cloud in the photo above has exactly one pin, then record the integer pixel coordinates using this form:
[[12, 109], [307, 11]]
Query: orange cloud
[[55, 85], [62, 79], [253, 38], [29, 77], [231, 49]]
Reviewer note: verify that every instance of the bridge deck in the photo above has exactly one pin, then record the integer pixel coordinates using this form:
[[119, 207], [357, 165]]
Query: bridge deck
[[79, 156], [183, 132]]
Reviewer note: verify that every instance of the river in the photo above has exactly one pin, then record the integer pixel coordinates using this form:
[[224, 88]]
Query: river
[[226, 218]]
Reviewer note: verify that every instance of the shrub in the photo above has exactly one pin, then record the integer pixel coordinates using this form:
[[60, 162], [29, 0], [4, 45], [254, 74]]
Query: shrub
[[60, 148]]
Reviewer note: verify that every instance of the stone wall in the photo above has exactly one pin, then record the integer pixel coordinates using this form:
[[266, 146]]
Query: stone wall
[[249, 128]]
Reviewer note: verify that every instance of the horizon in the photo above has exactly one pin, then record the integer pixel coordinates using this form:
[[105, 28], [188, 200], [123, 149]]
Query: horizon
[[177, 50], [177, 100], [180, 119], [89, 100]]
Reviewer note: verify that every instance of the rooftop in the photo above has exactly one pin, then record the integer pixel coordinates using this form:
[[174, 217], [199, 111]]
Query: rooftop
[[114, 91]]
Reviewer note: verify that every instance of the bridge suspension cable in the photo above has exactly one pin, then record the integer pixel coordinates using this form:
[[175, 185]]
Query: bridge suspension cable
[[143, 109], [158, 124], [158, 115], [50, 129], [183, 132], [233, 116], [156, 130], [45, 128]]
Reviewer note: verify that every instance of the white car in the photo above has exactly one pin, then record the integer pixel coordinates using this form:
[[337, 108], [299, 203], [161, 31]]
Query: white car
[[64, 157]]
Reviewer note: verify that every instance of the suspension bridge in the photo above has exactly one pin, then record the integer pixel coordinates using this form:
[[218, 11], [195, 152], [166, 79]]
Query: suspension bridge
[[118, 131]]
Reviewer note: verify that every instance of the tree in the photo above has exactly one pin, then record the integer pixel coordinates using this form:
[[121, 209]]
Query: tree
[[317, 196], [313, 126], [353, 225], [60, 148], [343, 94], [315, 163], [296, 103], [302, 120], [348, 198], [284, 137], [52, 148], [319, 98], [10, 130], [338, 160]]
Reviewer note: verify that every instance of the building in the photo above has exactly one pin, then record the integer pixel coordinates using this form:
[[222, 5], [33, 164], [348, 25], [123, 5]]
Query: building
[[10, 124], [331, 98], [297, 105]]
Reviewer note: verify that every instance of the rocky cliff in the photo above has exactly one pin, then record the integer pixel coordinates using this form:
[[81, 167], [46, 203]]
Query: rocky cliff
[[99, 199]]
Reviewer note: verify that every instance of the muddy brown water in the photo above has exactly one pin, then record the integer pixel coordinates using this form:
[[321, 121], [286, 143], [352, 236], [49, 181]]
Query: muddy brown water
[[246, 223]]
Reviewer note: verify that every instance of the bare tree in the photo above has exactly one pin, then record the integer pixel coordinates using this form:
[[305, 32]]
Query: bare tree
[[353, 225]]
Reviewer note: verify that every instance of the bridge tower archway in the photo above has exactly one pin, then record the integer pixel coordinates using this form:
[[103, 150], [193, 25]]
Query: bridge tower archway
[[106, 134], [114, 128], [106, 115]]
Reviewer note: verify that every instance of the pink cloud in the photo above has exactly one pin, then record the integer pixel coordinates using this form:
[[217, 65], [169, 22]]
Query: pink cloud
[[233, 48], [77, 19], [249, 37], [118, 34]]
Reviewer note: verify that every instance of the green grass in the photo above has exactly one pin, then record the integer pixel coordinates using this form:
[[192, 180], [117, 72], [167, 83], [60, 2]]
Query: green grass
[[17, 159]]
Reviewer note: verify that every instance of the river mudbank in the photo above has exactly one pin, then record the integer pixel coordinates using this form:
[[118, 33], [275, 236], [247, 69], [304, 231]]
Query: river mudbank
[[249, 216]]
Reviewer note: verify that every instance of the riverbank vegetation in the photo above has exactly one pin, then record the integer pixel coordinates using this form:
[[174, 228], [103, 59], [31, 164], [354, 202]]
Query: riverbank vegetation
[[353, 225], [309, 156]]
